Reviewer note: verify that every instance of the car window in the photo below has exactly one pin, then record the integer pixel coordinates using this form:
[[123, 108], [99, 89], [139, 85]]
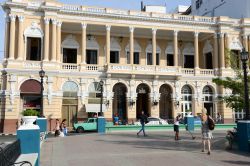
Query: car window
[[91, 121]]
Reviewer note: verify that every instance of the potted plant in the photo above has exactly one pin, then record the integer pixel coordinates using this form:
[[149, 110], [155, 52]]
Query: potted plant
[[29, 116]]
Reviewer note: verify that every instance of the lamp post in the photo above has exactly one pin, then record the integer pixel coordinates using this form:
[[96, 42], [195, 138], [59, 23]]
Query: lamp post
[[244, 59], [101, 88], [41, 74]]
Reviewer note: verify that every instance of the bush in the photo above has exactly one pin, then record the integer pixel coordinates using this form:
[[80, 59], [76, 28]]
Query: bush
[[30, 112]]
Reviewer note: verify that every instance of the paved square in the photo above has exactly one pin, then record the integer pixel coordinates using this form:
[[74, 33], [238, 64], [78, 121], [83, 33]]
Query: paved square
[[126, 149]]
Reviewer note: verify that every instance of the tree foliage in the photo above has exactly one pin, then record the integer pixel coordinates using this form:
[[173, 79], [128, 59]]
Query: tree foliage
[[235, 84]]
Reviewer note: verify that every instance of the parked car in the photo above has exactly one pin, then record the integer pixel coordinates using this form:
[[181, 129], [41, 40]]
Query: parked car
[[89, 125], [153, 121]]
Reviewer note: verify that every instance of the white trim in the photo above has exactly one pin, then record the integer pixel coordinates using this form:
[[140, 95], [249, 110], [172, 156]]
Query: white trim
[[33, 31]]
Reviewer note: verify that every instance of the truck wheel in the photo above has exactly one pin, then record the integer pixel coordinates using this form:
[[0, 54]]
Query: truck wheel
[[79, 130]]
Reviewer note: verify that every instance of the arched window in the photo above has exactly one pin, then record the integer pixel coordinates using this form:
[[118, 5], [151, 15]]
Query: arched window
[[115, 49], [33, 41], [208, 56], [169, 52], [207, 93], [186, 104], [188, 53], [70, 89], [70, 47], [92, 50]]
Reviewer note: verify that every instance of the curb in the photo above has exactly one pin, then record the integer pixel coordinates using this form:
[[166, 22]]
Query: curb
[[6, 134]]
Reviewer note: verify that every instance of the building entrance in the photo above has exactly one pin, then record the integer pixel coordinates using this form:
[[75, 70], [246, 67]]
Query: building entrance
[[165, 102], [120, 103], [143, 100], [69, 112]]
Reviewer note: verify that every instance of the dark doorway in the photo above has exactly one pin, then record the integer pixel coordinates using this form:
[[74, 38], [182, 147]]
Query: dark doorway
[[143, 100], [170, 59], [165, 102], [120, 102], [33, 49], [91, 56], [209, 107], [209, 60], [114, 56], [189, 61], [69, 55]]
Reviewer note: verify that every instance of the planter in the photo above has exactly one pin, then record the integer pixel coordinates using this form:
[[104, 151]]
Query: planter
[[29, 120]]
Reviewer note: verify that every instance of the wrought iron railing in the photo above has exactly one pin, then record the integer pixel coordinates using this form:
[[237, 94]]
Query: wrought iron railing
[[9, 154]]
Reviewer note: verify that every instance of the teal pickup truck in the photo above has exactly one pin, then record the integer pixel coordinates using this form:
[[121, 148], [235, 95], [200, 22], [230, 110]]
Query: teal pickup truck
[[89, 125]]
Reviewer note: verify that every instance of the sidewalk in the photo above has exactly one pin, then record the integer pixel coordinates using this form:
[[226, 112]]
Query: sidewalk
[[126, 149]]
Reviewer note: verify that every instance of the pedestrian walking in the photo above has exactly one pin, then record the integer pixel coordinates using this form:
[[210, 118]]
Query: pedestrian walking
[[219, 118], [63, 127], [206, 133], [143, 120], [57, 128], [176, 127]]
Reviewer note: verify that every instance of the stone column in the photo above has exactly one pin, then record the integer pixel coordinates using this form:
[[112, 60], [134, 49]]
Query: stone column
[[20, 54], [196, 46], [12, 36], [84, 40], [58, 46], [154, 46], [54, 22], [222, 51], [215, 55], [131, 45], [46, 39], [176, 63], [6, 37], [108, 28]]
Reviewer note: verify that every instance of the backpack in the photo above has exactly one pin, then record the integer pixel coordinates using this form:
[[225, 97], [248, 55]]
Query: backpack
[[211, 123]]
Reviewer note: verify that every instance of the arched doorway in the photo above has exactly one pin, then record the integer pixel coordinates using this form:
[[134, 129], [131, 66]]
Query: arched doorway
[[208, 100], [30, 92], [70, 102], [143, 100], [120, 102], [165, 102], [186, 104]]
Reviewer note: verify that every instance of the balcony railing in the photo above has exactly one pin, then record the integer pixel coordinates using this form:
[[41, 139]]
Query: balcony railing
[[70, 67]]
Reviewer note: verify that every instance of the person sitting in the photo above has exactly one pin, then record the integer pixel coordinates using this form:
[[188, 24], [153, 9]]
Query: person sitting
[[231, 137], [116, 120]]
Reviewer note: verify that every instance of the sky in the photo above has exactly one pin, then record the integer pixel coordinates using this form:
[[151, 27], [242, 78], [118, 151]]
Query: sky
[[118, 4]]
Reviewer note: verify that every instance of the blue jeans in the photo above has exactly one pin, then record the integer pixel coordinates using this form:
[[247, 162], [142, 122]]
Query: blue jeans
[[142, 129]]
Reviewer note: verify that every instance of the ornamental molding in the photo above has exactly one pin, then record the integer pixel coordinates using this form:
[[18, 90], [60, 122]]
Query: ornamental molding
[[170, 48], [34, 31], [150, 48], [137, 47], [235, 44], [188, 49], [70, 42], [208, 47]]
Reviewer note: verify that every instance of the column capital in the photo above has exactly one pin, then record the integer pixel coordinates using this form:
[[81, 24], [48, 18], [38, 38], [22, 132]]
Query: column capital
[[196, 34], [175, 32], [221, 35], [46, 20], [154, 30], [21, 18], [12, 18], [84, 25], [7, 18], [216, 35], [245, 36], [108, 27], [54, 21], [59, 23], [131, 29]]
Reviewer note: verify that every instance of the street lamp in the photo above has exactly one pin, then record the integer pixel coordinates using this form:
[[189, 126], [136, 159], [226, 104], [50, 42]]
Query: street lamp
[[244, 59], [41, 74], [101, 88]]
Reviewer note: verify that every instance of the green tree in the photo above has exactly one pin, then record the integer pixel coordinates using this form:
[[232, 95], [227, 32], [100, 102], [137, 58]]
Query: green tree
[[235, 84]]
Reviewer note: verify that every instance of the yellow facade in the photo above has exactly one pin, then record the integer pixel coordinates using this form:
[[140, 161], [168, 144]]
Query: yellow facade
[[158, 87]]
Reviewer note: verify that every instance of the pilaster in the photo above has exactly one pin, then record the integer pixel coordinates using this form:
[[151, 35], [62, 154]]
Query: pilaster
[[12, 37], [20, 39], [108, 28], [176, 63], [131, 45], [84, 27]]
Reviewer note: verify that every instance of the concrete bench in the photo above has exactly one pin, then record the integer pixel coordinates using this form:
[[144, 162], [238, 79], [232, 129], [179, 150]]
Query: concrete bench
[[31, 158]]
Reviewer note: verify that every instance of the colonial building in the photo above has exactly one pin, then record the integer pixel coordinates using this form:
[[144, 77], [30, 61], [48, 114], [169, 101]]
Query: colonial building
[[162, 64]]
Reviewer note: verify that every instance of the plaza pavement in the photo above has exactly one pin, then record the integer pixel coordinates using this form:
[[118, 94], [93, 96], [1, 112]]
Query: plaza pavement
[[126, 149]]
